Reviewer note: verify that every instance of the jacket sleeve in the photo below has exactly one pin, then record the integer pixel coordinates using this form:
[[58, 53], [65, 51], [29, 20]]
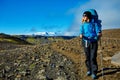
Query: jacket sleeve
[[81, 30]]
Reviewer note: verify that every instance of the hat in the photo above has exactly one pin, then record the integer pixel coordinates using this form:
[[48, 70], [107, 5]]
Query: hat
[[88, 14]]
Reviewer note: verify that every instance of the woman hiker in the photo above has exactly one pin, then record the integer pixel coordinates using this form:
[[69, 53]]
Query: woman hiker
[[90, 33]]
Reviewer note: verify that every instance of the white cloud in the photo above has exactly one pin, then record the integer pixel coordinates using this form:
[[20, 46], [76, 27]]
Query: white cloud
[[108, 11]]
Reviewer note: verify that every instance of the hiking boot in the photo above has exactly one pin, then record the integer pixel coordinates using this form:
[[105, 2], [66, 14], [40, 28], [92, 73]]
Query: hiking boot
[[94, 76], [88, 73]]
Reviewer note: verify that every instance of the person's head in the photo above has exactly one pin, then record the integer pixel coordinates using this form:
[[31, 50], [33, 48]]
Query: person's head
[[87, 16]]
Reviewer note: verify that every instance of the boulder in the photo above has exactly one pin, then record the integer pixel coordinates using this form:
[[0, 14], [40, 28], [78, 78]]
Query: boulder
[[115, 60]]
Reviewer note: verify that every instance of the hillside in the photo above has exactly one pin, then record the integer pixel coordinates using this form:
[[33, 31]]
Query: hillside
[[110, 45], [10, 42], [11, 39], [111, 33], [59, 60]]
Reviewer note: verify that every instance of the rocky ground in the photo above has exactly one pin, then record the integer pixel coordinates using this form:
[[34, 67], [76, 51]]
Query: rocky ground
[[61, 60], [35, 63]]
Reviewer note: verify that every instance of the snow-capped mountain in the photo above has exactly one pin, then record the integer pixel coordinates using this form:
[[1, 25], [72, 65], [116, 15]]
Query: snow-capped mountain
[[54, 33], [46, 33]]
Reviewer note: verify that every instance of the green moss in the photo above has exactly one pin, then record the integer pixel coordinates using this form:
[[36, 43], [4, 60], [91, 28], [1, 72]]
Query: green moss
[[8, 40], [31, 40], [32, 66]]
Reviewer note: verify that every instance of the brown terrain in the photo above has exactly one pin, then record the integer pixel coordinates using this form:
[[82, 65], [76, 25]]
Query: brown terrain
[[58, 59]]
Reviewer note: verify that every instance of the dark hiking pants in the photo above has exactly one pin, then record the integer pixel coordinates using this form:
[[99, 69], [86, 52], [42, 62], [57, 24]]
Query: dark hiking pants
[[90, 49]]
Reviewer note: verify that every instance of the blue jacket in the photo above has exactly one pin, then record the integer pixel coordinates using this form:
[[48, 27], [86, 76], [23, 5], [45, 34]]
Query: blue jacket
[[90, 31]]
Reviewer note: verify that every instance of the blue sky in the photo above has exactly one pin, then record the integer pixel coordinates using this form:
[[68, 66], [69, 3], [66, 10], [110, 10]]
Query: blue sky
[[64, 16]]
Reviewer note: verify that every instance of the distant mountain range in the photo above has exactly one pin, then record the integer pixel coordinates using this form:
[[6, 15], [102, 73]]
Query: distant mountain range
[[56, 33], [46, 33]]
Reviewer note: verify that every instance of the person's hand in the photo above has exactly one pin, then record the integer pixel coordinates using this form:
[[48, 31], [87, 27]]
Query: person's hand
[[81, 36], [83, 20], [100, 34]]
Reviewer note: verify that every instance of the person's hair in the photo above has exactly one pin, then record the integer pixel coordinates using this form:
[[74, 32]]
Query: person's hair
[[88, 14]]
